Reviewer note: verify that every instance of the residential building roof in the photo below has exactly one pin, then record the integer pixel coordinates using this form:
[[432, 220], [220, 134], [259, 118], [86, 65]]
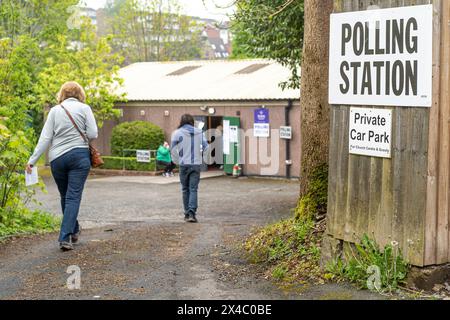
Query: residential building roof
[[214, 80]]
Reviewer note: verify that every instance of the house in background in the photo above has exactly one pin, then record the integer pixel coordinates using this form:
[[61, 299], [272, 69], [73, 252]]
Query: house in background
[[218, 39], [224, 93]]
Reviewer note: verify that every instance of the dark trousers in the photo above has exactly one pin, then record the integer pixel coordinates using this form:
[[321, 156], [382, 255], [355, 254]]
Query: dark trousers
[[190, 179], [168, 166], [70, 172]]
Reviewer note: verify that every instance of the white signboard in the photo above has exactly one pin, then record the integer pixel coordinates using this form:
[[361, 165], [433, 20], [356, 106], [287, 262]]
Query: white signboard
[[226, 137], [143, 156], [370, 132], [234, 134], [382, 57], [286, 133], [261, 130]]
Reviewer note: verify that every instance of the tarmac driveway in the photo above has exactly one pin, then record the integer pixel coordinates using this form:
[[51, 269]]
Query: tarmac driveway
[[135, 244]]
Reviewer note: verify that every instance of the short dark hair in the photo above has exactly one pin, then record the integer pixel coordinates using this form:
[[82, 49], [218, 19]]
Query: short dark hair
[[187, 119]]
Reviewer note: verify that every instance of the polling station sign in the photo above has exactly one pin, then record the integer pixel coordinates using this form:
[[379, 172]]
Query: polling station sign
[[370, 132], [143, 156], [261, 127], [382, 57]]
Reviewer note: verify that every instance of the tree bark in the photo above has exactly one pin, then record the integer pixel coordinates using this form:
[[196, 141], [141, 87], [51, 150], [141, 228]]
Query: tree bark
[[314, 89]]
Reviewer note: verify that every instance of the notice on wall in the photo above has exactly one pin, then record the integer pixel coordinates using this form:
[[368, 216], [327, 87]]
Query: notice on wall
[[143, 156], [286, 133], [261, 128], [382, 57], [370, 132]]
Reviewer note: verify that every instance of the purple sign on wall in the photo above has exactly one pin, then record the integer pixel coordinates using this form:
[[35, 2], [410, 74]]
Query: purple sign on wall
[[262, 116]]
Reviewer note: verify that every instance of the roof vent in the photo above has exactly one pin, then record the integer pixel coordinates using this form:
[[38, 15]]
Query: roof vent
[[183, 71], [252, 68]]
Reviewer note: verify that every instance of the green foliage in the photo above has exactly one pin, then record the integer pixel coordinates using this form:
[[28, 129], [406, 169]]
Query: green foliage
[[29, 222], [19, 69], [290, 249], [138, 135], [16, 80], [152, 30], [15, 217], [92, 64], [279, 240], [314, 203], [279, 272], [129, 163], [37, 54], [270, 29], [45, 54], [356, 263], [38, 19]]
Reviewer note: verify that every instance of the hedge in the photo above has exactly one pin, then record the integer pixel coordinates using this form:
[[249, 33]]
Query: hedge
[[137, 135], [117, 163]]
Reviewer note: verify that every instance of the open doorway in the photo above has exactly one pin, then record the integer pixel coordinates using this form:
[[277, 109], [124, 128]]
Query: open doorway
[[213, 126]]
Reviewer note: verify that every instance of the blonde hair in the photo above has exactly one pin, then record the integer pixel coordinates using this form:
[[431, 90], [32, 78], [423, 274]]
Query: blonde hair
[[71, 89]]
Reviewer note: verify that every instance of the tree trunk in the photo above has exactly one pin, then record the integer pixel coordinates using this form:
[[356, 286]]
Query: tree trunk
[[314, 90]]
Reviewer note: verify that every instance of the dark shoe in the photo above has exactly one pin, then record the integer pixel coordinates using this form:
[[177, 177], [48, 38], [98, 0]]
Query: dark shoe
[[186, 217], [192, 219], [76, 236], [66, 246]]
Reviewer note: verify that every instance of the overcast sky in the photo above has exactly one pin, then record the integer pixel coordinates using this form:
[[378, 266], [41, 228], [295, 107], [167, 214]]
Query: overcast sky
[[191, 7]]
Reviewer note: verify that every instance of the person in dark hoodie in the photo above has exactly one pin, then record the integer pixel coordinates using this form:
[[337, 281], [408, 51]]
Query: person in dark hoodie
[[188, 145]]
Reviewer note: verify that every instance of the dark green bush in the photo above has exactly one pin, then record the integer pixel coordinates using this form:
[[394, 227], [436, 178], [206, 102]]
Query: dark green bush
[[138, 135], [118, 163]]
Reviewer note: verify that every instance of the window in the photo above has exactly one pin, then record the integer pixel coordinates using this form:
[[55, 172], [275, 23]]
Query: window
[[183, 70], [253, 68]]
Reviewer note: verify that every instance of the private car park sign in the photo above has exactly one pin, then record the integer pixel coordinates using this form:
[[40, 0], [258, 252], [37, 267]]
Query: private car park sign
[[370, 132], [382, 57]]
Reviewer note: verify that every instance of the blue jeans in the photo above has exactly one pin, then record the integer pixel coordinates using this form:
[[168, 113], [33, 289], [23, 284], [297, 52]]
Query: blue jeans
[[70, 172], [190, 179]]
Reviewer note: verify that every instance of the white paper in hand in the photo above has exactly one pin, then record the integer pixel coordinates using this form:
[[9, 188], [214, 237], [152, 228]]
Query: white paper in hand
[[33, 178]]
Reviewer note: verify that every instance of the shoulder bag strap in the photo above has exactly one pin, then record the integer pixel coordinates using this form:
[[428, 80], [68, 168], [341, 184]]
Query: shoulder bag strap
[[74, 123]]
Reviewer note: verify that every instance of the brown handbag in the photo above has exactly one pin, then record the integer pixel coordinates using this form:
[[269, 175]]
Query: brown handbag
[[96, 158]]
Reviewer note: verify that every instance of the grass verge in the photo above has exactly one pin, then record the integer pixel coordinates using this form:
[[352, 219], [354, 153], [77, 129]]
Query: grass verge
[[369, 267], [289, 250], [28, 222]]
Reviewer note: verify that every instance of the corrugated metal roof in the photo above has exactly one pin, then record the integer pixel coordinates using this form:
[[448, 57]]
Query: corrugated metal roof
[[211, 80]]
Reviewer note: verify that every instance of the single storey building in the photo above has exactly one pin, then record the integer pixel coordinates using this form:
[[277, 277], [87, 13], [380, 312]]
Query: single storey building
[[229, 95]]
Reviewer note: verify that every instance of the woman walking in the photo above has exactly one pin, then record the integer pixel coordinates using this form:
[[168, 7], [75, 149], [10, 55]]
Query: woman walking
[[69, 154]]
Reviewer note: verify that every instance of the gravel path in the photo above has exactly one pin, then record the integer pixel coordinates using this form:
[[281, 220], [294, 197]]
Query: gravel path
[[135, 244]]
